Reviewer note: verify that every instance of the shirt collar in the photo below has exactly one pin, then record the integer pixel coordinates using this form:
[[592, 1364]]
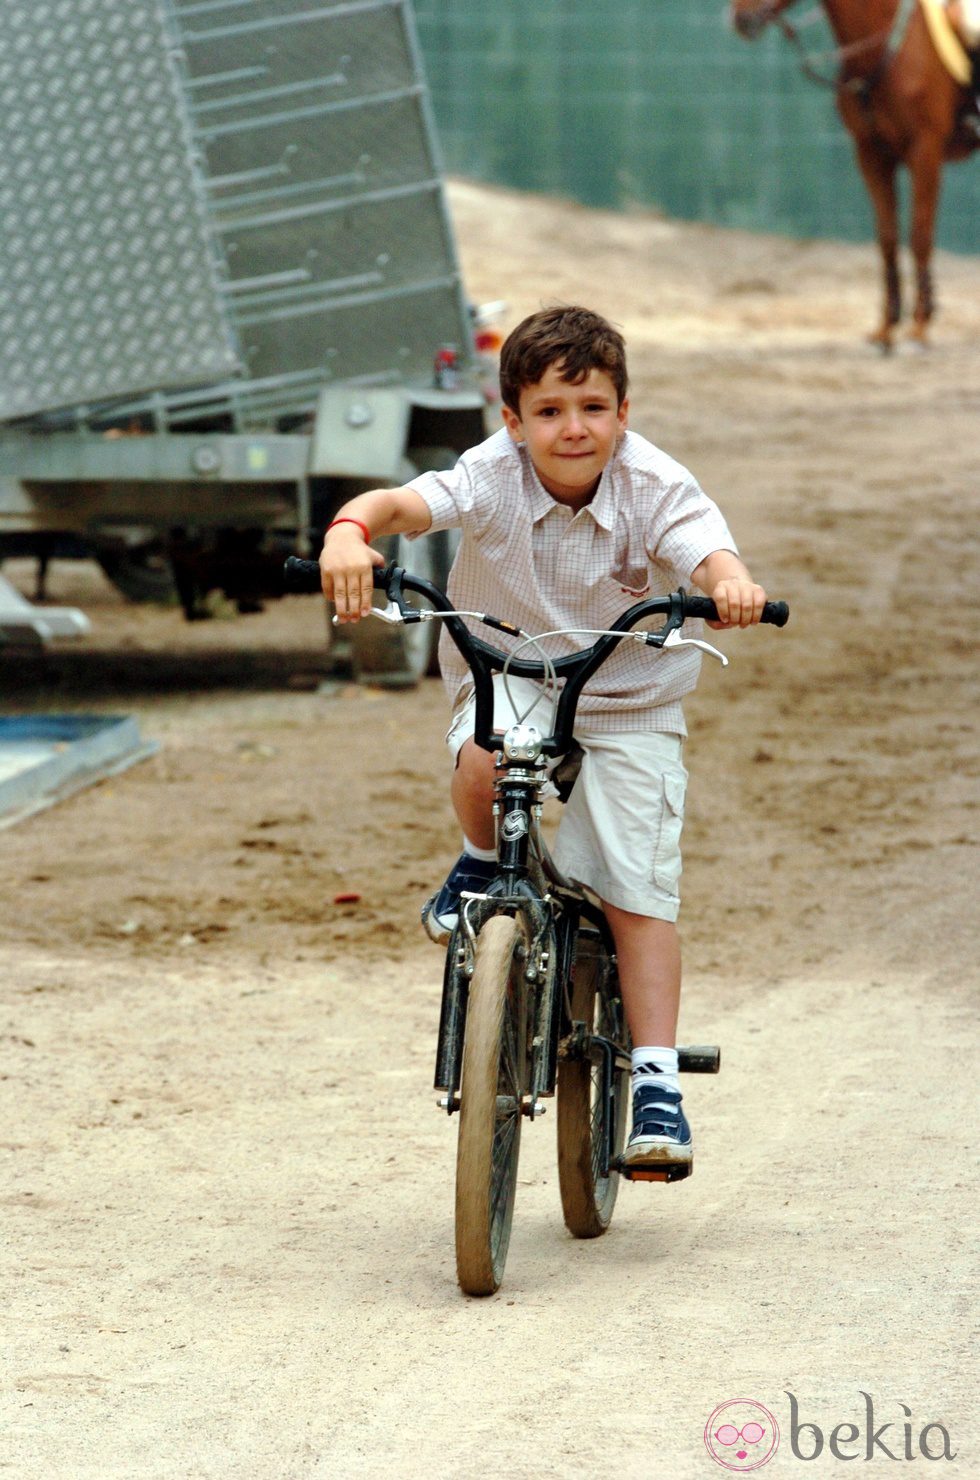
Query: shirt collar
[[603, 505]]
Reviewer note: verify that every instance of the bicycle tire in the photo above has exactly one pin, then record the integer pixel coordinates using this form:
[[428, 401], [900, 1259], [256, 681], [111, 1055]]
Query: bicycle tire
[[494, 1079], [588, 1197]]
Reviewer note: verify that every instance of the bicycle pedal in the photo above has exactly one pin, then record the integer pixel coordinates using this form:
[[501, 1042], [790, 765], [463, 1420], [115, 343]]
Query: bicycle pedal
[[654, 1173]]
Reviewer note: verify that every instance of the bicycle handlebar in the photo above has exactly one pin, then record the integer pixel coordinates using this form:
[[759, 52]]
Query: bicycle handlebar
[[483, 660], [304, 576]]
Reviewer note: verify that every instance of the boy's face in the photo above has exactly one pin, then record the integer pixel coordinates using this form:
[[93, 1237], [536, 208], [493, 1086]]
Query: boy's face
[[570, 431]]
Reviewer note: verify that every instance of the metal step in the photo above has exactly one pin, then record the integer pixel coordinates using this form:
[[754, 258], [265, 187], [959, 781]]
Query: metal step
[[36, 626]]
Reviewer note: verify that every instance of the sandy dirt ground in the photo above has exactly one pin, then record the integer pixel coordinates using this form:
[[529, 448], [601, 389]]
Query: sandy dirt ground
[[227, 1192]]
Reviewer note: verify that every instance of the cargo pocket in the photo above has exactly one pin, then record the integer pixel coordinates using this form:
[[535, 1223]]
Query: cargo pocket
[[667, 856], [461, 722]]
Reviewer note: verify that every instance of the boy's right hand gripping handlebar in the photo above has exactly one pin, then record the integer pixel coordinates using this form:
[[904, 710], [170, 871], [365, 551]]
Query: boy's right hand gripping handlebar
[[304, 575]]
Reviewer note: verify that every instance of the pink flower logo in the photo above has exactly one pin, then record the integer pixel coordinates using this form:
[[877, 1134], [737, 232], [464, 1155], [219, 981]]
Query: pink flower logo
[[741, 1435]]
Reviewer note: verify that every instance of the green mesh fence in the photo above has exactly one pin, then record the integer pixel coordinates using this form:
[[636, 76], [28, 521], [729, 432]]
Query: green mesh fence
[[657, 103]]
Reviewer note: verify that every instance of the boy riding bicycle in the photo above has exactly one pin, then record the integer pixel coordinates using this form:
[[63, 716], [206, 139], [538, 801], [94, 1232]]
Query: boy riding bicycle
[[566, 517]]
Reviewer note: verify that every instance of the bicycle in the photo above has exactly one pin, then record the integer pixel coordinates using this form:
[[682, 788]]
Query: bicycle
[[531, 1007]]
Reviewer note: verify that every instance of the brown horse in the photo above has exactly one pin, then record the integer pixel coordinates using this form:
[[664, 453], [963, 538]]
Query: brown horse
[[901, 106]]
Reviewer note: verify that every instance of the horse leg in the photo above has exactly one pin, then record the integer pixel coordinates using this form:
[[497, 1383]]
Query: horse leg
[[926, 167], [878, 171]]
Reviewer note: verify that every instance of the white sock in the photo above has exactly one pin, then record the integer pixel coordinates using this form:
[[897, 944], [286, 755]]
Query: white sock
[[486, 855], [653, 1065]]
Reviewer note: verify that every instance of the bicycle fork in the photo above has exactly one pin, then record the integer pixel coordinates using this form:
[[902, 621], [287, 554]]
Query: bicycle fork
[[516, 811]]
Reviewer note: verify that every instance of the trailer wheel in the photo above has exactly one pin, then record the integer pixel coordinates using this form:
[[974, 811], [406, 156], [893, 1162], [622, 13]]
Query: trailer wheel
[[141, 572]]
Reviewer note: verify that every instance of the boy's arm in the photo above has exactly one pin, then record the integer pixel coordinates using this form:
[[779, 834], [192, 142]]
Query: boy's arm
[[347, 560], [723, 577]]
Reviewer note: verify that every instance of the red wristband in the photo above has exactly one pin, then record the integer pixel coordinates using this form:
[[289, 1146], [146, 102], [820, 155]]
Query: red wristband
[[345, 519]]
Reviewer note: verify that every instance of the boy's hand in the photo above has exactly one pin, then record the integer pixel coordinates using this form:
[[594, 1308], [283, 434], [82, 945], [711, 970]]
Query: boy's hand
[[739, 602], [346, 566]]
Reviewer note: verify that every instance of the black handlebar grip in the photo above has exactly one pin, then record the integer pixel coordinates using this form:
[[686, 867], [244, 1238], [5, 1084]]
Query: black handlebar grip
[[301, 575], [776, 613], [304, 575]]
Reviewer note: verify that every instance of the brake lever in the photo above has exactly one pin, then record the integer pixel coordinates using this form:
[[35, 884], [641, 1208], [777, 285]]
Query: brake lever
[[389, 613], [675, 640]]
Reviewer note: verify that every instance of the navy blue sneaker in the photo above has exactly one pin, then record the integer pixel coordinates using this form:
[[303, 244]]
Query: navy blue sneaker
[[661, 1136], [440, 913]]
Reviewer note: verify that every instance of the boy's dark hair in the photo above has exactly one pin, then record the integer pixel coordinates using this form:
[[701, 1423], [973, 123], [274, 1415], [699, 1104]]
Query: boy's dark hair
[[576, 340]]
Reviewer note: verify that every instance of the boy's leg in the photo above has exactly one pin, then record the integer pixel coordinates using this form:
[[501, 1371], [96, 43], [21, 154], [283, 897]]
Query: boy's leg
[[620, 836], [472, 793], [649, 955]]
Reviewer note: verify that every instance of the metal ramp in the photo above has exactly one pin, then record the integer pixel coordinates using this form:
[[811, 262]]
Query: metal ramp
[[215, 208], [324, 188]]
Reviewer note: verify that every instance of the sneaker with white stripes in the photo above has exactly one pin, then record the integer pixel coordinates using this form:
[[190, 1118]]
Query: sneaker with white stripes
[[661, 1136]]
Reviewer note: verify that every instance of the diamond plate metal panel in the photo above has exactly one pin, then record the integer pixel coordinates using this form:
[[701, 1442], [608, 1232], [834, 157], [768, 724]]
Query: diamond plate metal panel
[[107, 278], [240, 195], [324, 186]]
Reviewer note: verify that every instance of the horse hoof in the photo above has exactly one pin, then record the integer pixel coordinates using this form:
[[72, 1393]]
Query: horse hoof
[[881, 339]]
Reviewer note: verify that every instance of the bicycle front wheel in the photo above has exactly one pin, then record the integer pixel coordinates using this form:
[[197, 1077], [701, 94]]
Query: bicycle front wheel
[[588, 1194], [494, 1080]]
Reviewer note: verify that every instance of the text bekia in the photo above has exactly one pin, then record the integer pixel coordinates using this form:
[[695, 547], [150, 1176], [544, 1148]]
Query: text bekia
[[846, 1440]]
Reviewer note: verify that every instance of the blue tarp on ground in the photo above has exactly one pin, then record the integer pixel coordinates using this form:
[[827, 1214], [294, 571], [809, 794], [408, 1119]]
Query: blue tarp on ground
[[46, 757]]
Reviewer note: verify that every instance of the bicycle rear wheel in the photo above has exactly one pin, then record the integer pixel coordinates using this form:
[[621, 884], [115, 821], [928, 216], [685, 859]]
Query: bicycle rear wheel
[[587, 1196], [494, 1079]]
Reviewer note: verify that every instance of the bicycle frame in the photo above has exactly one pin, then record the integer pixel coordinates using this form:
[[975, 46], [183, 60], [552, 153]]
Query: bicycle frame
[[528, 885], [553, 912], [531, 1003]]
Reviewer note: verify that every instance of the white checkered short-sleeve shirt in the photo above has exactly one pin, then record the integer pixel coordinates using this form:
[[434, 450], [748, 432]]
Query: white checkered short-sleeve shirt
[[530, 560]]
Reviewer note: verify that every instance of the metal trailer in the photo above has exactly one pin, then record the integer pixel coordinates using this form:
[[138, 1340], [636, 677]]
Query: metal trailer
[[227, 273]]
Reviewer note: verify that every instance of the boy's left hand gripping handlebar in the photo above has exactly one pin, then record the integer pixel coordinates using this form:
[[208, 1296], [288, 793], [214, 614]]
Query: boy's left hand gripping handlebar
[[304, 575]]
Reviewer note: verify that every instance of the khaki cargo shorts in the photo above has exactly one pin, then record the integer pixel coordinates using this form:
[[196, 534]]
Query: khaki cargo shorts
[[620, 830]]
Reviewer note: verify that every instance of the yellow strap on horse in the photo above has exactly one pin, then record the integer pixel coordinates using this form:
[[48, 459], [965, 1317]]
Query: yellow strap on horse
[[951, 50]]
